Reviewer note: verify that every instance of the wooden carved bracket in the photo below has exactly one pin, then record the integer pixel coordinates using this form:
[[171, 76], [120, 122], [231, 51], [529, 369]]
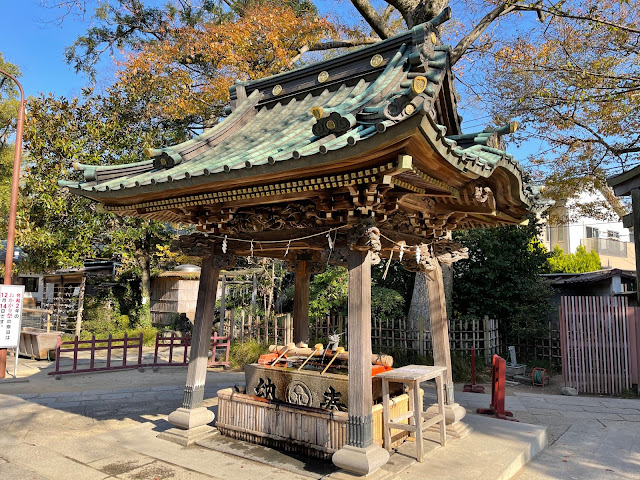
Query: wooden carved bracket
[[444, 252], [313, 266], [449, 252], [366, 236], [224, 261]]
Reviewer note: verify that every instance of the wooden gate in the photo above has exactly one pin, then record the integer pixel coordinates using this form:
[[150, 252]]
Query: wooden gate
[[599, 343]]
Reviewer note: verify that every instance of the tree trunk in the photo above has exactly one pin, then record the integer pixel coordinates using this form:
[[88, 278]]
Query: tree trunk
[[418, 316], [83, 285]]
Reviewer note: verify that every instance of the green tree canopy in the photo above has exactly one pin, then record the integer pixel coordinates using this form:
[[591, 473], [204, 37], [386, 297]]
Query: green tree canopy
[[579, 262], [501, 278], [59, 229], [9, 102]]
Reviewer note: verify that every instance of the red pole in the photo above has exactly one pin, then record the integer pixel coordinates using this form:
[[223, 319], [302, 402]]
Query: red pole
[[11, 229]]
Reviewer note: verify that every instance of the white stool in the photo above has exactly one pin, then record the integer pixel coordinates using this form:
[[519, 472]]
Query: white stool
[[413, 375]]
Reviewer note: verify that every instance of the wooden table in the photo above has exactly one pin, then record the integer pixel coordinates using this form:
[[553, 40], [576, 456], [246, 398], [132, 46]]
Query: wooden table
[[413, 375]]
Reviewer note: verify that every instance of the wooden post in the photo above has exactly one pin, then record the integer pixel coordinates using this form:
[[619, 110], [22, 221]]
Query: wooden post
[[242, 312], [635, 203], [301, 303], [488, 351], [192, 418], [223, 310], [232, 321], [360, 395], [360, 455], [440, 327], [83, 286]]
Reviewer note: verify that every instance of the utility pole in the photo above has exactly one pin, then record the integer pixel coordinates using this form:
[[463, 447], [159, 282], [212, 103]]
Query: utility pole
[[11, 229]]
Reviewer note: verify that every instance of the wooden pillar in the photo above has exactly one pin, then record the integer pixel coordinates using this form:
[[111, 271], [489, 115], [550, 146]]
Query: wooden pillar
[[635, 205], [361, 456], [223, 307], [201, 339], [360, 396], [440, 327], [301, 303], [192, 419]]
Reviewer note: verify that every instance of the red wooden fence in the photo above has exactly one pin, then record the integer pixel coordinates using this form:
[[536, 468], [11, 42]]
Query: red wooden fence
[[174, 343], [600, 344], [216, 343], [94, 345], [178, 353]]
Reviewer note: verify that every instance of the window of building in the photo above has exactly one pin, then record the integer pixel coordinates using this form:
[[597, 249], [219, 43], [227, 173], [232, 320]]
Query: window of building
[[592, 232], [30, 284], [614, 235]]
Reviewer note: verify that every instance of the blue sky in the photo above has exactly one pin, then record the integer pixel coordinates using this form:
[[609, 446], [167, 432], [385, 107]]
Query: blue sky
[[32, 38], [36, 44]]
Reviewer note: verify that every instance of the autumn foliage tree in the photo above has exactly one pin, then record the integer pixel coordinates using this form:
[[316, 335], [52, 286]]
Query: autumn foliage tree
[[575, 85], [187, 74]]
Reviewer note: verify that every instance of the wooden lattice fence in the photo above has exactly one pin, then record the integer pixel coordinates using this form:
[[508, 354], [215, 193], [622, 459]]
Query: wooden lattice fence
[[242, 324], [391, 334], [599, 339]]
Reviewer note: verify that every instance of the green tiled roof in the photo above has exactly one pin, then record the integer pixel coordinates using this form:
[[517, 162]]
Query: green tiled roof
[[362, 95]]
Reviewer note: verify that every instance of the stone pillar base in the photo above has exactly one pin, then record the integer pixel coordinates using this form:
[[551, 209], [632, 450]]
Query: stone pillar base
[[360, 461], [187, 437], [191, 425], [453, 415], [189, 418]]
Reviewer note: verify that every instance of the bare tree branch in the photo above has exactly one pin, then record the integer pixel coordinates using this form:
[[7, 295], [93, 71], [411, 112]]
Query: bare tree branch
[[405, 8], [556, 12], [473, 35], [321, 46], [373, 18]]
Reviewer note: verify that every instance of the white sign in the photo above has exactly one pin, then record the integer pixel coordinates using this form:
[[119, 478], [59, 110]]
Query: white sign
[[11, 299]]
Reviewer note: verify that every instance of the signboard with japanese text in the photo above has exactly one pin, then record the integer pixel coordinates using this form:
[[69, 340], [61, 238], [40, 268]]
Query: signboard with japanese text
[[11, 299]]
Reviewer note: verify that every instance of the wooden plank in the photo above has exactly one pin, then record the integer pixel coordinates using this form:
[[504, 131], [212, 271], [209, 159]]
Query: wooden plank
[[633, 350], [625, 344], [615, 304], [589, 320], [610, 343], [563, 346], [581, 352], [574, 342], [605, 350], [598, 345]]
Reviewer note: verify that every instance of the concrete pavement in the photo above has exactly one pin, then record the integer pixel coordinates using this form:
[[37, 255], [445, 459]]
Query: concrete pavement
[[104, 426], [589, 437]]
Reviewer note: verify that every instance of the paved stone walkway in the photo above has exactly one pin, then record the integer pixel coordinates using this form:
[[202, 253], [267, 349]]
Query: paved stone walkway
[[589, 437], [71, 429]]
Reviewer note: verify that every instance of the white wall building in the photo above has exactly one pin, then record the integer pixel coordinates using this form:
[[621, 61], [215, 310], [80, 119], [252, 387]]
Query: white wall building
[[611, 240]]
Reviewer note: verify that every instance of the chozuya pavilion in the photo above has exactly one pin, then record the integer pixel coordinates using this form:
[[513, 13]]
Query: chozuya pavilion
[[347, 161]]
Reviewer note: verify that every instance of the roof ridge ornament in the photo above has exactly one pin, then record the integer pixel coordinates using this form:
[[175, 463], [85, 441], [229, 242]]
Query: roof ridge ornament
[[334, 123]]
